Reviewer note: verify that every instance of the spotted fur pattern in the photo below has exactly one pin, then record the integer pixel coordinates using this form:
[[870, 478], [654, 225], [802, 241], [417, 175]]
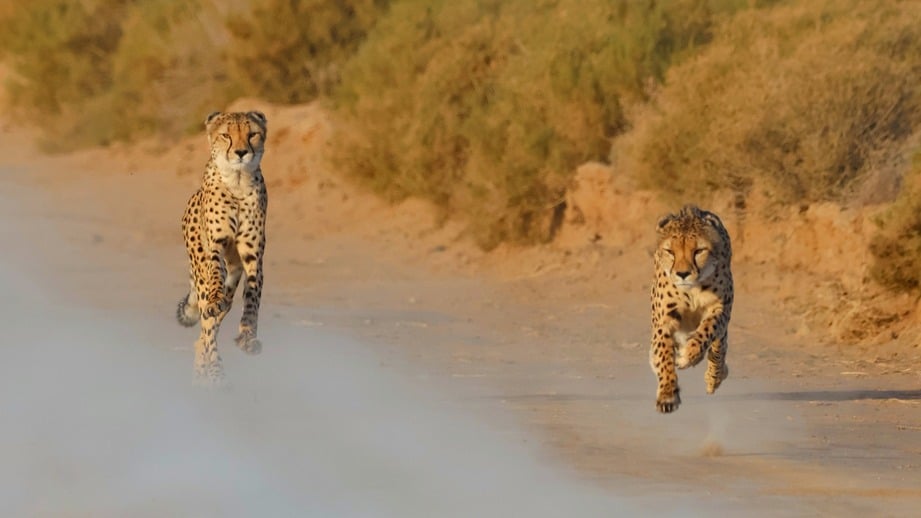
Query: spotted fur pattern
[[224, 231], [691, 301]]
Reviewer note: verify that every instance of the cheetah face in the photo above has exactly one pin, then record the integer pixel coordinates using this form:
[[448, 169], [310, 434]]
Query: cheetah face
[[237, 139], [689, 247], [686, 260]]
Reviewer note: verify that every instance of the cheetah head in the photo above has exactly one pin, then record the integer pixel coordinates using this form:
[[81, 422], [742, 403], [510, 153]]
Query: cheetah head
[[688, 246], [237, 139]]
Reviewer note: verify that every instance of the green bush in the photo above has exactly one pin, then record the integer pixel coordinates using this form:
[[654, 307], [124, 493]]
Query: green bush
[[487, 107], [803, 100], [290, 51]]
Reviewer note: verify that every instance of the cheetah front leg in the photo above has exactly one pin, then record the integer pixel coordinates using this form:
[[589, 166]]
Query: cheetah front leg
[[208, 364], [209, 367], [252, 297], [219, 231], [212, 299], [662, 361]]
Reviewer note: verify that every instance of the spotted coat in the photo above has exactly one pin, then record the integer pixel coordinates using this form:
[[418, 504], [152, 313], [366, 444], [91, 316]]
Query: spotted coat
[[224, 231], [691, 301]]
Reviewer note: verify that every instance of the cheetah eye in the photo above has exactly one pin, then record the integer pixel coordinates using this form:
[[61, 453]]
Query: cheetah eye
[[225, 135], [251, 135], [700, 251], [669, 251]]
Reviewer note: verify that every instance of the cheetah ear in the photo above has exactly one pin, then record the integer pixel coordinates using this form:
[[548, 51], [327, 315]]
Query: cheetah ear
[[257, 116], [712, 219], [660, 226], [211, 118]]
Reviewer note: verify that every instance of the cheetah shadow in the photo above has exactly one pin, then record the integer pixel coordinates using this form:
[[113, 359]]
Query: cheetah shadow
[[799, 395], [830, 395]]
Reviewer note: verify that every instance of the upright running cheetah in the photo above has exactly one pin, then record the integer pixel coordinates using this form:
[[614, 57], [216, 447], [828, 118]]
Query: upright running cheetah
[[224, 230], [691, 301]]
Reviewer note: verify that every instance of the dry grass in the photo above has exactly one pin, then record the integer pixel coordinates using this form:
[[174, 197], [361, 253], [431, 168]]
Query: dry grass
[[91, 72], [487, 107], [897, 248], [291, 52], [94, 71], [167, 73], [60, 55], [804, 100]]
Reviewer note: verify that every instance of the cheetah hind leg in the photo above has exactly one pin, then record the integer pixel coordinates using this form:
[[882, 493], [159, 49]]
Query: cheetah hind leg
[[717, 370], [715, 376], [246, 340], [252, 295]]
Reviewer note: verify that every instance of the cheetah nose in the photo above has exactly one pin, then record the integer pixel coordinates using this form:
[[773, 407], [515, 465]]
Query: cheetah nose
[[240, 152], [683, 275]]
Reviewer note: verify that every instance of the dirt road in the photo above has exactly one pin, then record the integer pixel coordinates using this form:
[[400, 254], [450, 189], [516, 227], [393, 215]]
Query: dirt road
[[546, 349]]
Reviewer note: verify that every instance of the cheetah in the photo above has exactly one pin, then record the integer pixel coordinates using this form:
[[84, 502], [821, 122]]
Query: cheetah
[[224, 231], [691, 301]]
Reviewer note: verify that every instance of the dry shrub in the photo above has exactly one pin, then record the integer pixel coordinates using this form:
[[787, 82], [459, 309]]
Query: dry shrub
[[897, 247], [291, 51], [487, 107], [60, 54], [93, 71], [168, 70], [804, 99]]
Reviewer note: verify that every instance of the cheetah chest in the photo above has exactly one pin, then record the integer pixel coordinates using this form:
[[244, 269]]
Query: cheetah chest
[[692, 307]]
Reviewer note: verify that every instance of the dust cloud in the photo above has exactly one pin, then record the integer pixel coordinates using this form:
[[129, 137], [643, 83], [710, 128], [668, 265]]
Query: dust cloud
[[100, 418], [99, 415]]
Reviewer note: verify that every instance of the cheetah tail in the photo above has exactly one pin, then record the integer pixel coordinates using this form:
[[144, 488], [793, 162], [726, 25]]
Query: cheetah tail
[[187, 314]]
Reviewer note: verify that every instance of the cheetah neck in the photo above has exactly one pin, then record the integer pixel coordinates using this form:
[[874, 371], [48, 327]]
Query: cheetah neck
[[240, 182]]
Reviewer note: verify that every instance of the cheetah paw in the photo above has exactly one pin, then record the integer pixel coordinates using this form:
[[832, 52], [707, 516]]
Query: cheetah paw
[[210, 377], [689, 354], [714, 382], [212, 309], [248, 343], [668, 404]]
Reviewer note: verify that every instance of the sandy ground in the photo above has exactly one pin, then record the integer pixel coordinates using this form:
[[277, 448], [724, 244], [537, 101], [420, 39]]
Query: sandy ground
[[545, 349]]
